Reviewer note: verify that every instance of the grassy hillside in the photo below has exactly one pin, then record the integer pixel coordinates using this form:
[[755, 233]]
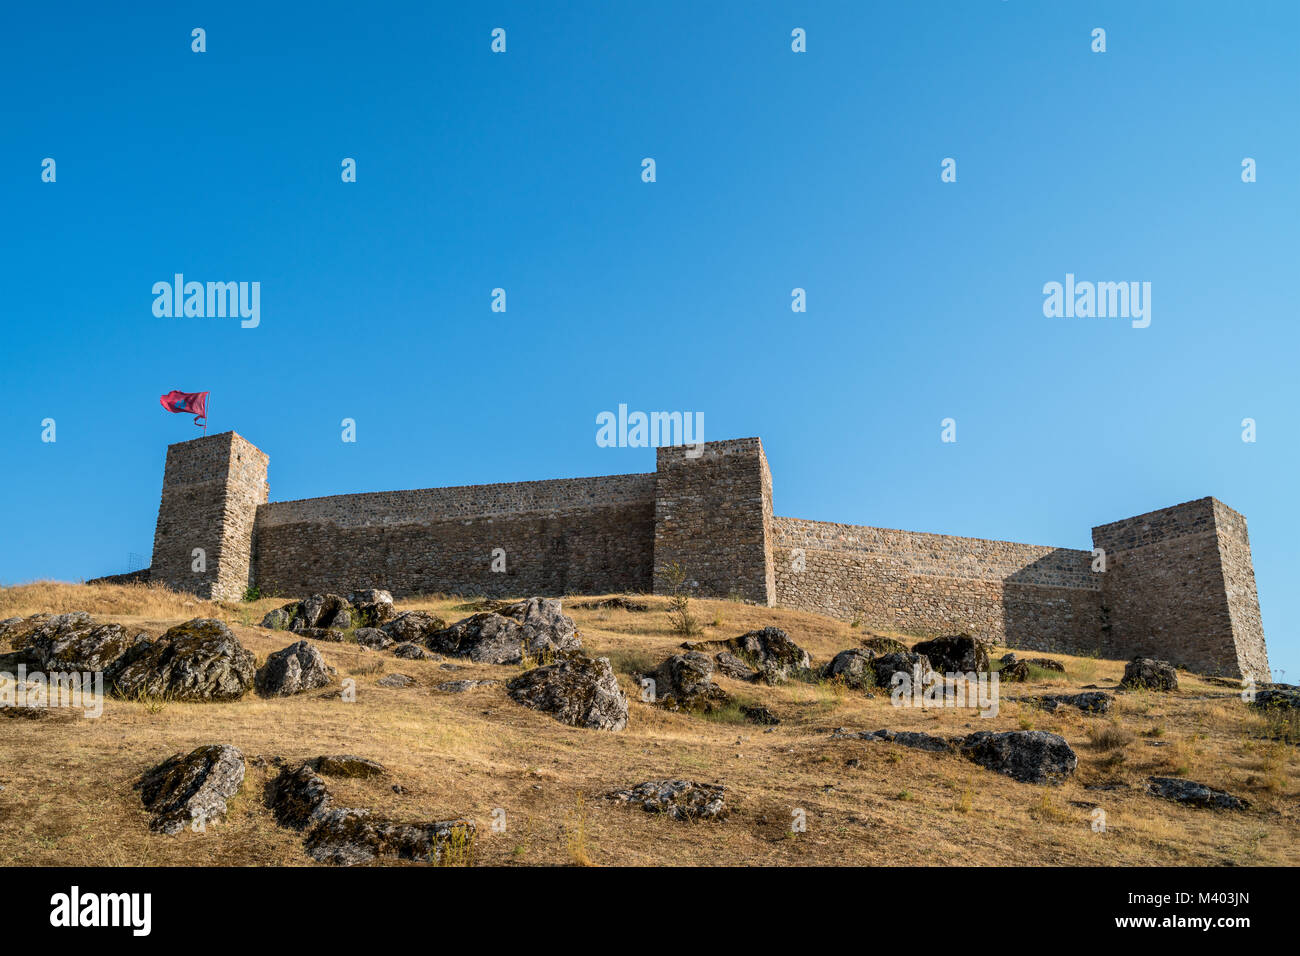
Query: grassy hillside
[[67, 793]]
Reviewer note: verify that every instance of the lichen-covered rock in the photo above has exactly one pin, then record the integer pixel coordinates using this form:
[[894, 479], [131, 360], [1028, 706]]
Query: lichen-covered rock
[[618, 603], [883, 645], [915, 666], [1046, 664], [299, 798], [536, 628], [761, 715], [374, 607], [349, 765], [1193, 794], [323, 610], [1015, 672], [327, 634], [905, 738], [955, 654], [680, 799], [395, 680], [191, 787], [84, 646], [460, 686], [14, 631], [769, 650], [685, 682], [198, 660], [348, 837], [1030, 756], [730, 665], [852, 667], [1144, 673], [280, 618], [294, 669], [1274, 699], [408, 650], [413, 626], [581, 691], [1090, 702], [373, 638]]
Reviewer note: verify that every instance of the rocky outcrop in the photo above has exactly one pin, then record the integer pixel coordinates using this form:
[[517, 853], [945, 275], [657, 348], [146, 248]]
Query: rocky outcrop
[[1045, 664], [1013, 671], [373, 638], [729, 665], [460, 686], [614, 604], [883, 645], [349, 765], [1030, 756], [74, 642], [536, 629], [768, 650], [680, 799], [374, 607], [905, 738], [1193, 794], [580, 691], [954, 654], [1144, 673], [299, 798], [198, 660], [413, 626], [349, 837], [915, 666], [685, 682], [395, 680], [410, 651], [297, 668], [853, 667], [1090, 702], [193, 787], [1275, 699]]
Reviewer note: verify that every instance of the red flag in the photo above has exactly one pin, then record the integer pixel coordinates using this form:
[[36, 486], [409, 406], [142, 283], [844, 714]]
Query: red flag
[[195, 403]]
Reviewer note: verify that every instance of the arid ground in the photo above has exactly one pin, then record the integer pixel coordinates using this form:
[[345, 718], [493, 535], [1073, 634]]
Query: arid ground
[[67, 796]]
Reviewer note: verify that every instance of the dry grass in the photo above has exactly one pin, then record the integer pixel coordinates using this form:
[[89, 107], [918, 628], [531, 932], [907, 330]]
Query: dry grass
[[68, 795]]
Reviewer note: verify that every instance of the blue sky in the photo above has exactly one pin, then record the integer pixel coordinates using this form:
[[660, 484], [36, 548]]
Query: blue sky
[[775, 170]]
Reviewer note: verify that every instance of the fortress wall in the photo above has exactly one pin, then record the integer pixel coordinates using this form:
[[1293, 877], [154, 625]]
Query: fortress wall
[[1024, 595], [568, 535]]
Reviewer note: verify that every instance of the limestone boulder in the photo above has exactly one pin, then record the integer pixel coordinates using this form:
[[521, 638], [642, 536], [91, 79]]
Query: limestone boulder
[[198, 660], [768, 650], [349, 765], [373, 638], [1192, 794], [685, 682], [729, 665], [413, 626], [536, 628], [680, 799], [853, 667], [580, 691], [1144, 673], [915, 666], [1030, 756], [955, 654], [297, 668], [83, 646], [299, 798], [193, 787], [883, 645], [410, 651], [1275, 699], [374, 607], [348, 837]]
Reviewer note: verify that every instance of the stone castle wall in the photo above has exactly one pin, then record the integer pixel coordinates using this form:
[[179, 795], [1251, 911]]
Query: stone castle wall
[[570, 535], [1178, 583], [1018, 594]]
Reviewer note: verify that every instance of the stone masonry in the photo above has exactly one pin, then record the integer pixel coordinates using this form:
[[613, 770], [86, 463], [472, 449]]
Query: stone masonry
[[1177, 583]]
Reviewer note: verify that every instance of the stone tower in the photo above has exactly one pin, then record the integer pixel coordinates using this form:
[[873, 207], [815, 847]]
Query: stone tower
[[211, 489], [713, 518], [1179, 584]]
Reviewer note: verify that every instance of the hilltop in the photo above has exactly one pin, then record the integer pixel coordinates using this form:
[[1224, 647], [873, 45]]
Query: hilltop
[[67, 797]]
